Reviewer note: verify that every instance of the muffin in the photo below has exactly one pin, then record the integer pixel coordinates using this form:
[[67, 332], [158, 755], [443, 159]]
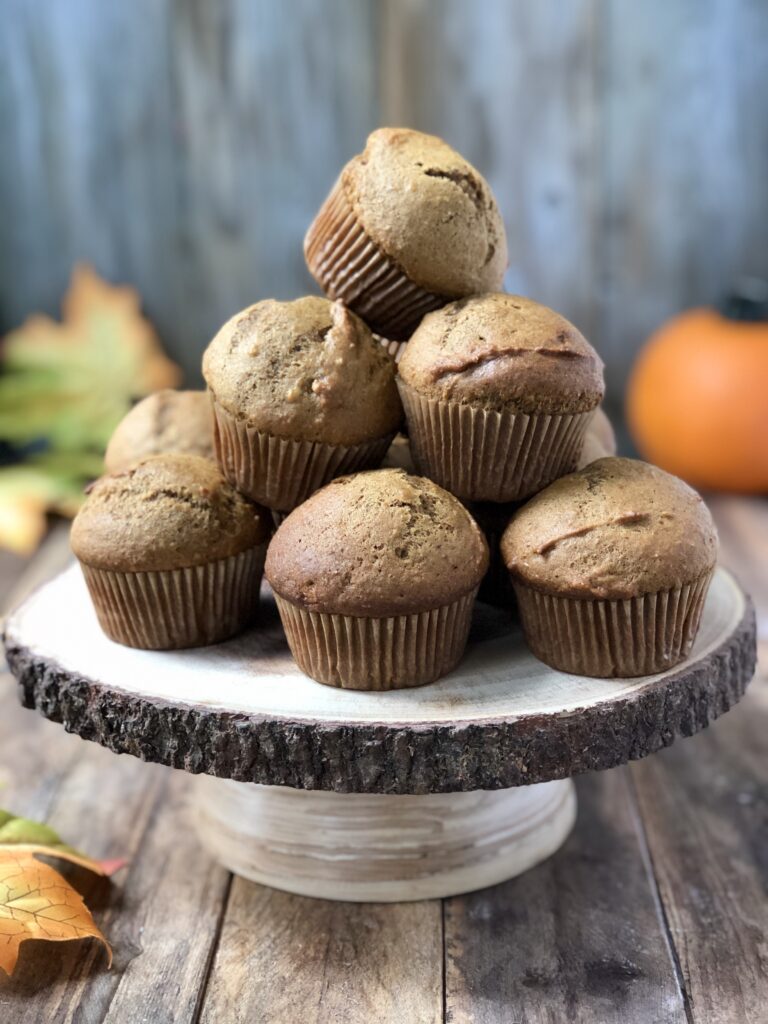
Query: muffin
[[611, 566], [498, 394], [599, 440], [168, 421], [171, 553], [408, 226], [375, 578], [301, 393]]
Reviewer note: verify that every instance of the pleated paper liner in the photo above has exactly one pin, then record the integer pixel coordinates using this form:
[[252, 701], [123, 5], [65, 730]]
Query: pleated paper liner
[[282, 473], [393, 348], [367, 653], [348, 265], [638, 636], [176, 608], [484, 455]]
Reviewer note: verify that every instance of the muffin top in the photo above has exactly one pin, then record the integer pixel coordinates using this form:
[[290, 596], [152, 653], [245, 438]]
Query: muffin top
[[377, 543], [168, 511], [503, 352], [429, 210], [308, 370], [168, 421], [617, 529]]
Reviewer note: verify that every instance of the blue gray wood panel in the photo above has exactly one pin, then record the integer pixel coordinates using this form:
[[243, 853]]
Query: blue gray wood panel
[[184, 145]]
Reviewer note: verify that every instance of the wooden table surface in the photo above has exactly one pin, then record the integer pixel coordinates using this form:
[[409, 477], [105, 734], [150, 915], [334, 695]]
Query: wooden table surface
[[653, 911]]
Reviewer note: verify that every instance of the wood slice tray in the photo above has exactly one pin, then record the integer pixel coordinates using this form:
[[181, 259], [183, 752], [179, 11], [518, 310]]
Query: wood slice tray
[[242, 710]]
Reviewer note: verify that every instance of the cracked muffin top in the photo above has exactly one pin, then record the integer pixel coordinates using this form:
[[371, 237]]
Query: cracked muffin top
[[376, 544], [503, 352], [168, 511], [617, 529], [309, 370], [429, 211], [168, 421]]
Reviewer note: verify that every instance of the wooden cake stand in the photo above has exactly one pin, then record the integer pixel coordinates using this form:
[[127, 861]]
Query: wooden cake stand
[[371, 796]]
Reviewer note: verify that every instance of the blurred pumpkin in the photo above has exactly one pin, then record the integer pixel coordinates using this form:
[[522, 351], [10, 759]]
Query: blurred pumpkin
[[697, 398]]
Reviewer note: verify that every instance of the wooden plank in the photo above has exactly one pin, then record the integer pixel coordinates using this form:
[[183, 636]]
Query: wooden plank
[[514, 87], [35, 755], [161, 913], [684, 204], [578, 938], [87, 110], [743, 527], [284, 958], [183, 148], [703, 805]]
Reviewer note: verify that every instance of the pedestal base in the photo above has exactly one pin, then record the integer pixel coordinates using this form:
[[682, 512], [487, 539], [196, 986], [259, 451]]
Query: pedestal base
[[374, 848]]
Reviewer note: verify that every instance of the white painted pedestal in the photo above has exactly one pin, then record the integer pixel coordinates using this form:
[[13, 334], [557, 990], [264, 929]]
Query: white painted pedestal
[[366, 847]]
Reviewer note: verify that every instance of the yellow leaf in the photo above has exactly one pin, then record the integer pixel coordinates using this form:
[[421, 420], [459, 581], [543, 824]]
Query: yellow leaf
[[64, 386], [37, 903], [92, 305], [22, 522]]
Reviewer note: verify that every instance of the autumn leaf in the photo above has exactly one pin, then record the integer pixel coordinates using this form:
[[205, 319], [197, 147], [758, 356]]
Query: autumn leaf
[[71, 382], [49, 482], [64, 387], [35, 901], [26, 836]]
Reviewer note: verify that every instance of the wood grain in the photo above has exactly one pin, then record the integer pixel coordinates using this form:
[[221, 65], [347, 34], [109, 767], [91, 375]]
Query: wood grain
[[515, 87], [705, 812], [288, 958], [161, 913], [185, 147], [718, 902], [502, 719], [381, 849], [680, 171], [579, 938], [705, 817], [182, 147]]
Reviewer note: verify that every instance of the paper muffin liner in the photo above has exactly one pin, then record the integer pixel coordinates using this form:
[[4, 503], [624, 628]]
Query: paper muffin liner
[[280, 472], [175, 608], [348, 265], [637, 636], [392, 348], [484, 455], [368, 653]]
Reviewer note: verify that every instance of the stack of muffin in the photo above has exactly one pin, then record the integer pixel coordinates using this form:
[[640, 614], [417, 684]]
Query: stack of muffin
[[376, 570]]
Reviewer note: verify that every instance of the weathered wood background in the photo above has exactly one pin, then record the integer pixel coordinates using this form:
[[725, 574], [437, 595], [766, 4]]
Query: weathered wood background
[[184, 145]]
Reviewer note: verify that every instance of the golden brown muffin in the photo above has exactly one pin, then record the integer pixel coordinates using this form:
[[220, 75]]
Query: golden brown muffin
[[498, 393], [171, 552], [167, 421], [408, 226], [301, 393], [375, 577], [611, 566]]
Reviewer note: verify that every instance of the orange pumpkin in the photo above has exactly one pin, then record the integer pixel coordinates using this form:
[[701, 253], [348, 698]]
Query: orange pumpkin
[[697, 399]]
